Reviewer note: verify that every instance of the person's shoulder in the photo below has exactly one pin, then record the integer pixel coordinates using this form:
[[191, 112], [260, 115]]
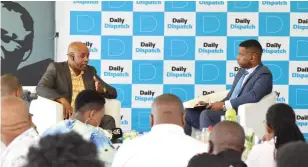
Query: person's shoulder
[[194, 142], [264, 69], [91, 68], [203, 159]]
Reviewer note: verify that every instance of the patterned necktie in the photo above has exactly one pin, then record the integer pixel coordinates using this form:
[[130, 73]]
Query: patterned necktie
[[238, 86]]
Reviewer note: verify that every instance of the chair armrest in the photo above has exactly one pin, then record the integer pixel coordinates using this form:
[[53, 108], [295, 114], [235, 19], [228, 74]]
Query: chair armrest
[[113, 108], [211, 98], [252, 115], [46, 113]]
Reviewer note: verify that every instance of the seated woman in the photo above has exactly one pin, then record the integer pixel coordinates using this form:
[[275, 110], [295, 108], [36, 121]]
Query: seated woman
[[281, 128], [89, 111]]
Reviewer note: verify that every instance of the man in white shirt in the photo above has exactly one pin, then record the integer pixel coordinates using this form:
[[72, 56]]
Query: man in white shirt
[[17, 133], [166, 145]]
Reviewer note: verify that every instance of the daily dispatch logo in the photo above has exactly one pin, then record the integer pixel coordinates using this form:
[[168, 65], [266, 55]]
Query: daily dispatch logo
[[233, 74], [145, 96], [210, 48], [273, 3], [149, 2], [85, 2], [123, 122], [302, 24], [241, 24], [116, 23], [279, 98], [179, 72], [89, 45], [116, 71], [299, 73], [274, 48], [148, 47], [209, 3], [302, 120], [179, 23]]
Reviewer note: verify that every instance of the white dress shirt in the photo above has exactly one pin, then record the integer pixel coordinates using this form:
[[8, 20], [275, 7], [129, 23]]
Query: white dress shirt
[[165, 145], [262, 155], [15, 154], [228, 104]]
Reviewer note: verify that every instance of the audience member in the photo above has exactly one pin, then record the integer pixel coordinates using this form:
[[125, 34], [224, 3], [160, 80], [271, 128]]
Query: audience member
[[293, 154], [17, 133], [166, 145], [89, 111], [10, 86], [64, 150], [281, 128], [226, 146]]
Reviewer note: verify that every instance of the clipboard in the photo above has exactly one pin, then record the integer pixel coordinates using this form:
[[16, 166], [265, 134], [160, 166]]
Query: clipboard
[[201, 107]]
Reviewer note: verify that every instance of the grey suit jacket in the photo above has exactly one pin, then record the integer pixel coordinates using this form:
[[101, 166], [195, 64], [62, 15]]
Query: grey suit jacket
[[256, 86], [56, 82]]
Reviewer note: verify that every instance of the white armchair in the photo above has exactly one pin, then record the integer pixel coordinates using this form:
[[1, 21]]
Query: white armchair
[[251, 115], [47, 112]]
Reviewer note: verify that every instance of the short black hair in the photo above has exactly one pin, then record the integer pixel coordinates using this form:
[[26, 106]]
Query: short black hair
[[63, 150], [252, 44], [293, 154], [89, 100]]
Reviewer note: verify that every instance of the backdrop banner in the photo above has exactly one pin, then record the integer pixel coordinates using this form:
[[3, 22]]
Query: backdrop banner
[[188, 48]]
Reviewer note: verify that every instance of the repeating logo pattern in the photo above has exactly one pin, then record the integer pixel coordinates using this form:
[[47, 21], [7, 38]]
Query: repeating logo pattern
[[189, 48]]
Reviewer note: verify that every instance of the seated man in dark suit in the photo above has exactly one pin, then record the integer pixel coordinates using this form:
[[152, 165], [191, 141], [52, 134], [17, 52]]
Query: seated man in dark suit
[[226, 145], [63, 81], [251, 84]]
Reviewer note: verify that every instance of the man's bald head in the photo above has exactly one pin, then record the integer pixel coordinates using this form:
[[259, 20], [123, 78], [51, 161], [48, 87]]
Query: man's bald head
[[15, 118], [227, 135], [78, 56], [167, 109], [10, 86], [77, 46]]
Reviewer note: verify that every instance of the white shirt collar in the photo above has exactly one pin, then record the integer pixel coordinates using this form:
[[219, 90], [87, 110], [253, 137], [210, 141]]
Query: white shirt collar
[[167, 128], [251, 70]]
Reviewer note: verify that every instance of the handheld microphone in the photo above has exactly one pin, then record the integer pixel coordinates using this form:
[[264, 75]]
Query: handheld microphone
[[117, 134]]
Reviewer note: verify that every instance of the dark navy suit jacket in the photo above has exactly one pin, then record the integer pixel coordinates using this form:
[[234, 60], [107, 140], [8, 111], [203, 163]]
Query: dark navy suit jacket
[[257, 85]]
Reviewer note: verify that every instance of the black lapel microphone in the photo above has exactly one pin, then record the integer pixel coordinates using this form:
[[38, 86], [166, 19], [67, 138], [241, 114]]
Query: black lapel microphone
[[117, 134]]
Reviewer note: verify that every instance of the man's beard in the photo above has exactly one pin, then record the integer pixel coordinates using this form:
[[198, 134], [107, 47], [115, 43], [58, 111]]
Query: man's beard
[[10, 60]]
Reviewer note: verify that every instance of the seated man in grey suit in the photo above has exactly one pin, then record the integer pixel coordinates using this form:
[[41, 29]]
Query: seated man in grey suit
[[63, 81], [251, 84]]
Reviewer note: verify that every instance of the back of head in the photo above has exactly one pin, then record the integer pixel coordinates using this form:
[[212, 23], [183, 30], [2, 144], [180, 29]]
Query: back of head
[[15, 118], [167, 109], [62, 150], [10, 86], [293, 154], [88, 100], [227, 135], [280, 118]]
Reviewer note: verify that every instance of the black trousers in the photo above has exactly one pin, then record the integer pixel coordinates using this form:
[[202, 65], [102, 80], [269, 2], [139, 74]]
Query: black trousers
[[107, 122]]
